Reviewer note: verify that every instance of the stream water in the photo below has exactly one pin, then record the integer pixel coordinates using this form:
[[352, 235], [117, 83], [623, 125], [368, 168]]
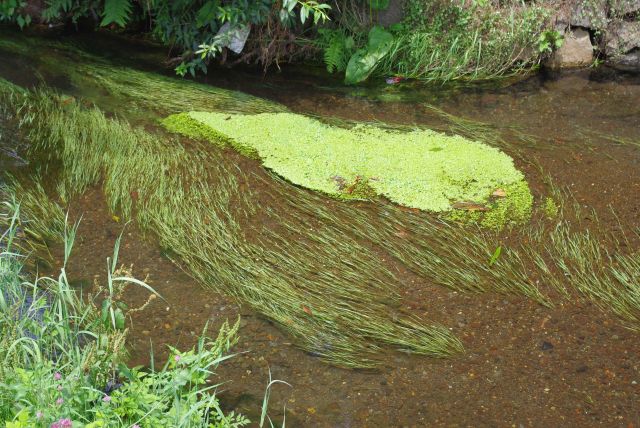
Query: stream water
[[524, 364]]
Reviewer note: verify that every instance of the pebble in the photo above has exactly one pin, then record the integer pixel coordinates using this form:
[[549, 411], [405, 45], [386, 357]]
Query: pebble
[[546, 346]]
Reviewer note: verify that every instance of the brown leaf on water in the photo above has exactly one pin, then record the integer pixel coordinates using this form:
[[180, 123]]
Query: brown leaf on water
[[469, 206], [306, 310], [499, 193]]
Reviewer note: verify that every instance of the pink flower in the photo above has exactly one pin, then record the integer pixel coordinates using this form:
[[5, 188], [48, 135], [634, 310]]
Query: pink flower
[[135, 426], [106, 398], [62, 423], [176, 358], [59, 401], [39, 415], [57, 376]]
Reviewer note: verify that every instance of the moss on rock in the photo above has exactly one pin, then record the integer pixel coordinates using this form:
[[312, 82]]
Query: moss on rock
[[420, 169]]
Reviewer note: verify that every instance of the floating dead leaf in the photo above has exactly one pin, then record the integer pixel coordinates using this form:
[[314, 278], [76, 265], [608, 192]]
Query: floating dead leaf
[[499, 193], [469, 206], [306, 310]]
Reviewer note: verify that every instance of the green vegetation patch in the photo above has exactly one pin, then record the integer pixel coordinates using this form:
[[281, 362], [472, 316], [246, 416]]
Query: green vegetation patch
[[419, 169]]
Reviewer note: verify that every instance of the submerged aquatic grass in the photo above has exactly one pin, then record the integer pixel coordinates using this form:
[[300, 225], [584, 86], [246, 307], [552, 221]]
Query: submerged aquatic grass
[[41, 220], [336, 300], [143, 92], [311, 265]]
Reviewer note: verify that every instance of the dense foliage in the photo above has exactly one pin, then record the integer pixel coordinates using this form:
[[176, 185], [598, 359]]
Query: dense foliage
[[435, 40], [440, 40], [197, 29], [62, 356]]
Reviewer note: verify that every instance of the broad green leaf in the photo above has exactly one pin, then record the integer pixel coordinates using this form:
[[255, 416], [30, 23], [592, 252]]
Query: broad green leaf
[[364, 61], [119, 318], [207, 13]]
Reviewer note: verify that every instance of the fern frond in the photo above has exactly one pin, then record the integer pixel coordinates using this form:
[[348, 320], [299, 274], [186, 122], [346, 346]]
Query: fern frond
[[337, 47], [334, 54], [116, 11], [55, 8]]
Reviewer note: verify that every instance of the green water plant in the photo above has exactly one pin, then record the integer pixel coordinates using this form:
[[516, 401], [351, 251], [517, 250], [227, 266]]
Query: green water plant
[[327, 290], [41, 219], [419, 169], [145, 93]]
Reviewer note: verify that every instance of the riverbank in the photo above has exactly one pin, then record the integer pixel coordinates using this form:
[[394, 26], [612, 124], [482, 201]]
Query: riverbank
[[432, 41]]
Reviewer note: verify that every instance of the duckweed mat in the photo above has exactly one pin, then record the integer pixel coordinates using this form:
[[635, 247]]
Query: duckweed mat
[[419, 169]]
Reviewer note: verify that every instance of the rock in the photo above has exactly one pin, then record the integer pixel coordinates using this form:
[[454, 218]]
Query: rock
[[546, 346], [625, 7], [576, 51], [622, 38], [626, 62], [590, 14], [393, 14]]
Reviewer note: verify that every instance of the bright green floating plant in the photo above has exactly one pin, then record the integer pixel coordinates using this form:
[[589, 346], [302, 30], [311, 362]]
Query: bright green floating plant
[[420, 169]]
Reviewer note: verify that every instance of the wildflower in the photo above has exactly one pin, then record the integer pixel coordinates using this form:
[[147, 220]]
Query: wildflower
[[106, 398], [177, 358], [59, 401], [59, 387], [57, 376], [39, 414], [62, 423], [135, 426]]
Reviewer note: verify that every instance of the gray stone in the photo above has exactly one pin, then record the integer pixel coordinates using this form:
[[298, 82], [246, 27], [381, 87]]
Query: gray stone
[[622, 37], [626, 62], [393, 14], [590, 14], [576, 51], [624, 7]]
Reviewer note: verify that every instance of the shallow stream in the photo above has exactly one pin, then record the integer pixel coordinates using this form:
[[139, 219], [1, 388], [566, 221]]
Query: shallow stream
[[524, 364]]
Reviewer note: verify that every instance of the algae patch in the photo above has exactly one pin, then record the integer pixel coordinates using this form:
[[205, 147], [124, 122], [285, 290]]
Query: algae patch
[[419, 169]]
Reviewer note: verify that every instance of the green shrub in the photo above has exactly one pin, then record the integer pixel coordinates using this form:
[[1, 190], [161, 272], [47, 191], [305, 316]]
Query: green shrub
[[62, 355], [191, 26]]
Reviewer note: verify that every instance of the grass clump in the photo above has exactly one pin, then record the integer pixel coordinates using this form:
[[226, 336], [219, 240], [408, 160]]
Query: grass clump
[[441, 40], [62, 356], [419, 169], [42, 221]]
